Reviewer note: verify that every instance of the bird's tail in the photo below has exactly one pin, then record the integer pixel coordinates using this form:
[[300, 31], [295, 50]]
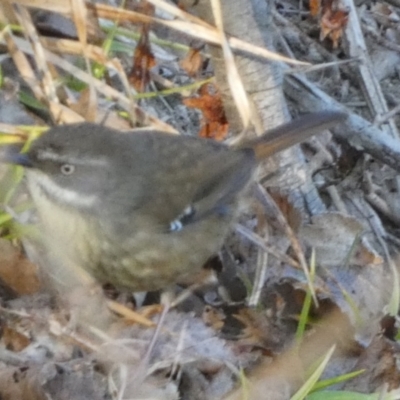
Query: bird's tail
[[292, 133]]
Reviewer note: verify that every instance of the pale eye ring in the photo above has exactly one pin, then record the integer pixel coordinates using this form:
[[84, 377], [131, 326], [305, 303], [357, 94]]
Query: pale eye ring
[[67, 169]]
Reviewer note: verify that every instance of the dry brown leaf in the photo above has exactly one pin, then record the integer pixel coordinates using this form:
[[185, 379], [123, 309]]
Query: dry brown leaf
[[315, 7], [214, 130], [14, 340], [16, 270], [213, 317], [143, 58], [256, 331], [365, 255], [143, 61], [214, 124], [333, 22], [192, 62], [380, 360], [292, 215]]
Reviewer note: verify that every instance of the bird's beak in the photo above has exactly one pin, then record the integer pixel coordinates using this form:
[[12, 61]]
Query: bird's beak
[[11, 154]]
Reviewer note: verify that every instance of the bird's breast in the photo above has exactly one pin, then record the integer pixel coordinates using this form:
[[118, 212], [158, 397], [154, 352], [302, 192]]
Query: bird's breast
[[145, 257], [151, 259]]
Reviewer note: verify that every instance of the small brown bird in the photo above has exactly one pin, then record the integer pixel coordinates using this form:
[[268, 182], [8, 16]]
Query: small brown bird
[[146, 209]]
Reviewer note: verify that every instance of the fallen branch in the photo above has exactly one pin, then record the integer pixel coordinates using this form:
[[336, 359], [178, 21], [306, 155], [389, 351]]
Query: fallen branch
[[357, 131]]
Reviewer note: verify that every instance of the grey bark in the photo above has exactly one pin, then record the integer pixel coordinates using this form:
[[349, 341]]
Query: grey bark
[[251, 21]]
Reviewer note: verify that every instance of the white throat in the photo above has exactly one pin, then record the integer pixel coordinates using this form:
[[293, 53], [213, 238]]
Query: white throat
[[41, 184]]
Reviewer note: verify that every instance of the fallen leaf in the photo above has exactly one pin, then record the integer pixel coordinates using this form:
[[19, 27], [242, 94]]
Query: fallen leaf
[[143, 58], [16, 270], [256, 328], [333, 236], [14, 340], [192, 62], [292, 214], [315, 6], [380, 361], [213, 317], [333, 21], [214, 124], [143, 61]]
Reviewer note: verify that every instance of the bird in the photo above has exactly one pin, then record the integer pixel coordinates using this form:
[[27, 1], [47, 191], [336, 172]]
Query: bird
[[145, 209]]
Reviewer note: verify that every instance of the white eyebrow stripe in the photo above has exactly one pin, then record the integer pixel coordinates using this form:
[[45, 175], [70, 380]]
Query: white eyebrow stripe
[[60, 194], [52, 156]]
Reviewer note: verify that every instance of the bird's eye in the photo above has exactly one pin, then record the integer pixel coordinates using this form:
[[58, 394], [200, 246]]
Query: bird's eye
[[67, 169]]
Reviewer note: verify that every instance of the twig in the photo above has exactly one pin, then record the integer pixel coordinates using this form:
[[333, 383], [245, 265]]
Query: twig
[[258, 241], [268, 202], [369, 83], [356, 131]]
